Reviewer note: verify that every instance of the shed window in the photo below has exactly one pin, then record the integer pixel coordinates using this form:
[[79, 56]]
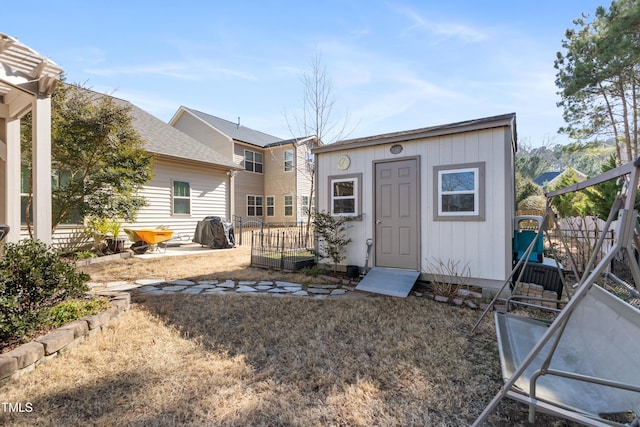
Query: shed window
[[181, 198], [345, 195], [460, 192]]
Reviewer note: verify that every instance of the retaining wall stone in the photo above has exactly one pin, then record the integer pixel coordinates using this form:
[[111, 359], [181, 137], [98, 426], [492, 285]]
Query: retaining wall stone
[[27, 354], [24, 359]]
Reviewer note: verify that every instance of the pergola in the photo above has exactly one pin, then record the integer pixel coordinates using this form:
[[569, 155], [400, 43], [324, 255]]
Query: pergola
[[27, 80]]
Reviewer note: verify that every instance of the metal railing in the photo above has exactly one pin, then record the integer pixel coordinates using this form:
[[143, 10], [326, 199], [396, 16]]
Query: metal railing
[[282, 250], [244, 227]]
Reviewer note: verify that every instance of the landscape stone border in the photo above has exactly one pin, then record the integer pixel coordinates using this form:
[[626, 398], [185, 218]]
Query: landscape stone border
[[27, 357]]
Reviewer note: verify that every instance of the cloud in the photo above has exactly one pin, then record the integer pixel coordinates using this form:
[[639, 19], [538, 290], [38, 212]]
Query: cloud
[[444, 29], [189, 70]]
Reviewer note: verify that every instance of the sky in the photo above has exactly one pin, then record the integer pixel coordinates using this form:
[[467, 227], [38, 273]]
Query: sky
[[394, 65]]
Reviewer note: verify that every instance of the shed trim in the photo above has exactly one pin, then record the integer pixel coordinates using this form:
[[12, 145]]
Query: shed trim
[[448, 129]]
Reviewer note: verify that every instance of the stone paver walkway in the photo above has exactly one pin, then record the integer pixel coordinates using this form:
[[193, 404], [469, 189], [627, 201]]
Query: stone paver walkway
[[263, 287]]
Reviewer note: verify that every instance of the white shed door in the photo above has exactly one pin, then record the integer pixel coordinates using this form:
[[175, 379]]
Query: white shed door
[[397, 214]]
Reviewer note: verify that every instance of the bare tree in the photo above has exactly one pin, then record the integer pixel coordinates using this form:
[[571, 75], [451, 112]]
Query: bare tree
[[316, 119]]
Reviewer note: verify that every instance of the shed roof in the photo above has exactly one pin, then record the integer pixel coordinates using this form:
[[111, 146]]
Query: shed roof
[[233, 130], [162, 139], [408, 135]]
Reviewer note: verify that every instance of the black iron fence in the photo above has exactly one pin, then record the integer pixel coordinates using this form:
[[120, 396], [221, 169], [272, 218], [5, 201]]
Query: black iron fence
[[282, 250], [244, 227]]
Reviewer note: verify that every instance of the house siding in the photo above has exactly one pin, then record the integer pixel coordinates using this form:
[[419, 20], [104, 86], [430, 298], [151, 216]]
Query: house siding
[[247, 183], [304, 179], [209, 188], [482, 245], [204, 133], [208, 185], [279, 183]]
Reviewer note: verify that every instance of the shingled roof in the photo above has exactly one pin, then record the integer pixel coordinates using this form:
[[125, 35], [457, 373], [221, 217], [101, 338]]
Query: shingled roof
[[235, 130], [162, 139]]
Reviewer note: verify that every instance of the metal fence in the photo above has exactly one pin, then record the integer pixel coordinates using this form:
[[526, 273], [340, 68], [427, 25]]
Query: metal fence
[[580, 246], [244, 227], [282, 250]]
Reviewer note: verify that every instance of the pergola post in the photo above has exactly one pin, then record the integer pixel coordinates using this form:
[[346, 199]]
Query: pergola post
[[41, 146], [12, 179], [27, 81]]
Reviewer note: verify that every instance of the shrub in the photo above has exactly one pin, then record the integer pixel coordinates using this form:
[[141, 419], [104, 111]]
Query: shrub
[[33, 278], [70, 310], [447, 278], [333, 241]]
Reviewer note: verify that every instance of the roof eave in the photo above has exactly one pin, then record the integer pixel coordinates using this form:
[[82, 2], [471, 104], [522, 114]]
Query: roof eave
[[448, 129]]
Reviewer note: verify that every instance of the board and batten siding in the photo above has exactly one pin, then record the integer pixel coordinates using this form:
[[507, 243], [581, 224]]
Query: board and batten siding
[[485, 246]]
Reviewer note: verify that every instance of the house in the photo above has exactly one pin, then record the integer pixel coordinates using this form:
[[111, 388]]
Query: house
[[442, 193], [549, 179], [275, 184], [27, 80], [191, 181]]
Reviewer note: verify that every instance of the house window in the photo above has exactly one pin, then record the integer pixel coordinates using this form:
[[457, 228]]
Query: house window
[[345, 195], [305, 205], [288, 160], [288, 205], [460, 192], [59, 180], [252, 161], [271, 206], [254, 206], [24, 197], [181, 198], [309, 162]]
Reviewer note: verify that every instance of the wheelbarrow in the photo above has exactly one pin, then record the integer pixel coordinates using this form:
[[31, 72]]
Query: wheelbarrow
[[153, 239]]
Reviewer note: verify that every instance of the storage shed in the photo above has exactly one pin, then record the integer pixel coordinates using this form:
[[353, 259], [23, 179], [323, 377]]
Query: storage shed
[[437, 194]]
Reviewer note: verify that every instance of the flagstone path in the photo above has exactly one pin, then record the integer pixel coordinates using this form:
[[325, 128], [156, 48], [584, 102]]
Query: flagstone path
[[262, 287]]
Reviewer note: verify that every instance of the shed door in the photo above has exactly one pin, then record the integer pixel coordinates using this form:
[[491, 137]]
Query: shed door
[[397, 214]]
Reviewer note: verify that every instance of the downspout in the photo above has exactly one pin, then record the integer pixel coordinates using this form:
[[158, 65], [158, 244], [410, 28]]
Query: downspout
[[231, 192]]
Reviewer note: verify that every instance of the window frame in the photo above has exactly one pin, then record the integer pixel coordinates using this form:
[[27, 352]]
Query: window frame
[[253, 162], [255, 206], [272, 205], [290, 161], [174, 198], [478, 192], [288, 207], [357, 196]]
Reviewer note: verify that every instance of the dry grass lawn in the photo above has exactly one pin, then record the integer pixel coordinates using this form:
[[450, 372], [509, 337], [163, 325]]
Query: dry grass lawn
[[241, 360]]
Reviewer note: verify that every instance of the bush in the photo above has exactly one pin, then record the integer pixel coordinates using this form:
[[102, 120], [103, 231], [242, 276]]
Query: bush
[[332, 233], [70, 310], [33, 278]]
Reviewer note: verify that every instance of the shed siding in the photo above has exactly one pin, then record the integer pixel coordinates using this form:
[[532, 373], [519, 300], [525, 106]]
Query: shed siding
[[483, 245]]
